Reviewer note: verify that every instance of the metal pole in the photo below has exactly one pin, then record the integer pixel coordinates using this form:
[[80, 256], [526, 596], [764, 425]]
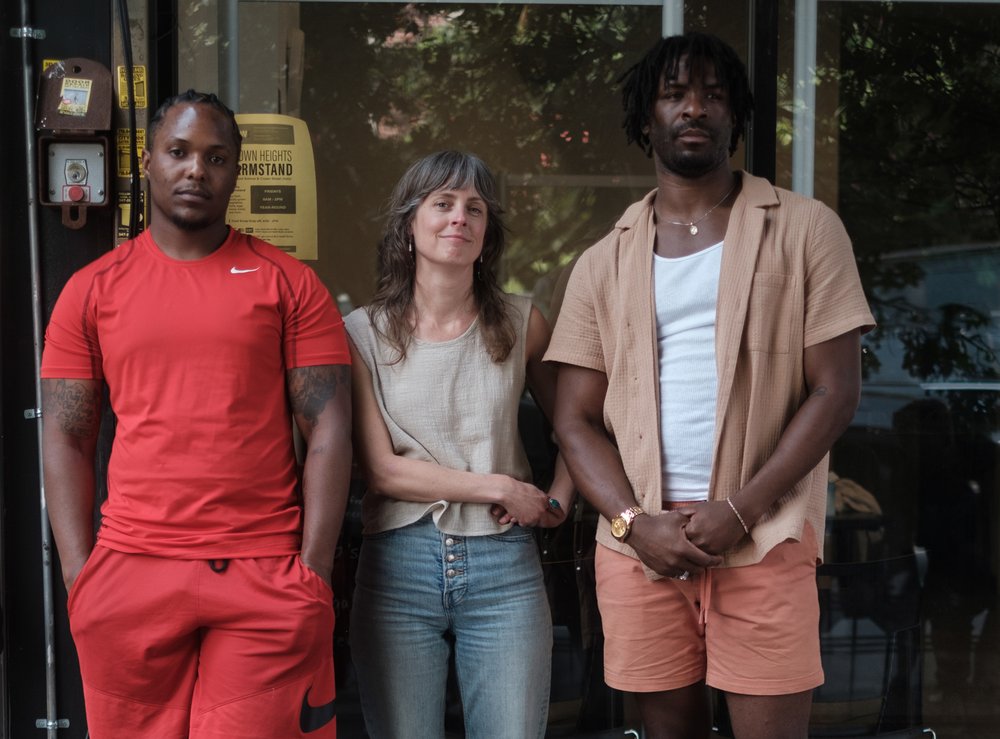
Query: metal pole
[[761, 136], [672, 18], [229, 53], [804, 115], [51, 721]]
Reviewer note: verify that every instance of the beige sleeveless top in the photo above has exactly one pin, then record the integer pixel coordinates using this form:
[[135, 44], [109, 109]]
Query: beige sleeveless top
[[450, 404]]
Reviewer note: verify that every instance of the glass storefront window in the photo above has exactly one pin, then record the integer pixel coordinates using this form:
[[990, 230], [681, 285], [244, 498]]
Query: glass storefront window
[[529, 88], [888, 113]]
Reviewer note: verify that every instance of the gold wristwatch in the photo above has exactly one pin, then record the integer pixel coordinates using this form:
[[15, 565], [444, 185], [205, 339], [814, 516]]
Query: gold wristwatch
[[621, 525]]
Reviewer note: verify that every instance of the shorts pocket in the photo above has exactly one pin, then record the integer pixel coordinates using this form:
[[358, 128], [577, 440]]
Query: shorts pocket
[[325, 590], [86, 572]]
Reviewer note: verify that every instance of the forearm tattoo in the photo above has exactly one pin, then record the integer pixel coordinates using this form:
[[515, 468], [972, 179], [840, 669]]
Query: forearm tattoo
[[311, 388], [74, 405]]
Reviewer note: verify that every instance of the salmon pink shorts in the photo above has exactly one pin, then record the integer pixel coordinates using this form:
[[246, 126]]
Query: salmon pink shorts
[[752, 630]]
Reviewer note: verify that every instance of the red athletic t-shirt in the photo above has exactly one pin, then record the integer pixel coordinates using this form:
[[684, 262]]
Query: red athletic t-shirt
[[194, 354]]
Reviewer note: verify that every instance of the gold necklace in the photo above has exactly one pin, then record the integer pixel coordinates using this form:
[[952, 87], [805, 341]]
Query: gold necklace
[[692, 226]]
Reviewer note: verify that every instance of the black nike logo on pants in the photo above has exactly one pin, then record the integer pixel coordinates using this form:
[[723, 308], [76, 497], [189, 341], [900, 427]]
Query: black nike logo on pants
[[313, 718]]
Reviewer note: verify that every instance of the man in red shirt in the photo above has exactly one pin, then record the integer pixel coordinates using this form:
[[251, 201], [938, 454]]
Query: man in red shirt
[[204, 607]]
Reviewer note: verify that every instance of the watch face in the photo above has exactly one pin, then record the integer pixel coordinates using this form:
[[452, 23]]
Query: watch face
[[618, 527]]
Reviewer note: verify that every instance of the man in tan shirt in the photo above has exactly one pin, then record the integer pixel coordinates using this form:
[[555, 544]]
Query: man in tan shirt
[[709, 357]]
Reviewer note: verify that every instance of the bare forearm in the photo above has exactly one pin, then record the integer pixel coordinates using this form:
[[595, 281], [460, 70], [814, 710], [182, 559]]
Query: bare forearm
[[69, 498], [320, 398], [833, 375], [425, 482], [562, 487], [396, 476], [326, 481], [593, 460], [595, 466], [71, 413], [817, 424]]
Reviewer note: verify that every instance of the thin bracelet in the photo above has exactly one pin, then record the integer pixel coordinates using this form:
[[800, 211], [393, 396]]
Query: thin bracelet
[[742, 522]]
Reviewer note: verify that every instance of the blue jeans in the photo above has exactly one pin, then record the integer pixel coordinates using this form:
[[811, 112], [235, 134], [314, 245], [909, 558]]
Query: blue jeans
[[415, 586]]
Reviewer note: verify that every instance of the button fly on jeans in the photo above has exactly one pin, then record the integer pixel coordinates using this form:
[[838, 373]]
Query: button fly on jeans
[[453, 561]]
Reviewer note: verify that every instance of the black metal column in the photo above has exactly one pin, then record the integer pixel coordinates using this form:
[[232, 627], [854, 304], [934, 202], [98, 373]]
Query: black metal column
[[763, 69]]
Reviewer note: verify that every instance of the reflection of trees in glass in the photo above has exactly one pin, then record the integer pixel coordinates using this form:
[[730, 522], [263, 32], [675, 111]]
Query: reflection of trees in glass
[[941, 338], [530, 88], [946, 342], [919, 91], [513, 75], [567, 216], [920, 94]]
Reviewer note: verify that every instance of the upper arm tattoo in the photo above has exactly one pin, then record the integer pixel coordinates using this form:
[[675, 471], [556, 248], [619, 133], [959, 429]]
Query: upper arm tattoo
[[75, 405], [311, 388]]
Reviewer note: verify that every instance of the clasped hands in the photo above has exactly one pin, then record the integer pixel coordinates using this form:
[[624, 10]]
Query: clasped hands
[[526, 505], [689, 539]]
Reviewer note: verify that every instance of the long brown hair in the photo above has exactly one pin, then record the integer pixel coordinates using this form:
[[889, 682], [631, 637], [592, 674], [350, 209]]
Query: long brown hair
[[393, 298]]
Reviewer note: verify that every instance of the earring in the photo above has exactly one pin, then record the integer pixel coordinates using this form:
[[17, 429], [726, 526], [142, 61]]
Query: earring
[[411, 245]]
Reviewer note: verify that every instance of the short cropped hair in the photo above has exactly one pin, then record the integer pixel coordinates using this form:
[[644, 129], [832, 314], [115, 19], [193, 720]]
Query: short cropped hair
[[196, 98], [641, 82]]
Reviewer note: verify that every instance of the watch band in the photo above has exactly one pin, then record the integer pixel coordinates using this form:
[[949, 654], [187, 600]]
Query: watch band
[[621, 525]]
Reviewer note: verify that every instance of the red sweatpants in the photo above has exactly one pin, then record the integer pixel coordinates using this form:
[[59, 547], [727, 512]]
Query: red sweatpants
[[173, 648]]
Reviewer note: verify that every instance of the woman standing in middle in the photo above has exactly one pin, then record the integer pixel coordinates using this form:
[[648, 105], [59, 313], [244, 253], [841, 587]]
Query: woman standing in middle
[[441, 357]]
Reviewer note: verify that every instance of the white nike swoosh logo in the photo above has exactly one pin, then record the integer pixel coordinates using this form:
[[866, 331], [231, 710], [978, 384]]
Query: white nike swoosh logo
[[237, 271]]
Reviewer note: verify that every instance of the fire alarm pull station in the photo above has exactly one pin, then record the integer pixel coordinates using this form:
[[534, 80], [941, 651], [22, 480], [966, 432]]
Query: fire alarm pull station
[[73, 122]]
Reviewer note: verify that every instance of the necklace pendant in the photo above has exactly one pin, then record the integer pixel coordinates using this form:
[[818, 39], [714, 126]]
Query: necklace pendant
[[693, 230]]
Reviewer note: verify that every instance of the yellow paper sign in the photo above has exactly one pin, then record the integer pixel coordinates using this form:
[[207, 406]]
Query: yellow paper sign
[[138, 87], [125, 214], [275, 196], [124, 137]]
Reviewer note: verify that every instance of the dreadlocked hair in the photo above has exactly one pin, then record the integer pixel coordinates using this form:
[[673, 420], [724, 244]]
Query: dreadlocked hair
[[391, 309], [641, 82]]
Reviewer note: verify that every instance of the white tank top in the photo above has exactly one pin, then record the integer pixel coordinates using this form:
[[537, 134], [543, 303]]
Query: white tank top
[[686, 292]]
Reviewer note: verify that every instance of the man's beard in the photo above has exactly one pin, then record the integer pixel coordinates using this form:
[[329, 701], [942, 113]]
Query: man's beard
[[192, 224], [689, 164]]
